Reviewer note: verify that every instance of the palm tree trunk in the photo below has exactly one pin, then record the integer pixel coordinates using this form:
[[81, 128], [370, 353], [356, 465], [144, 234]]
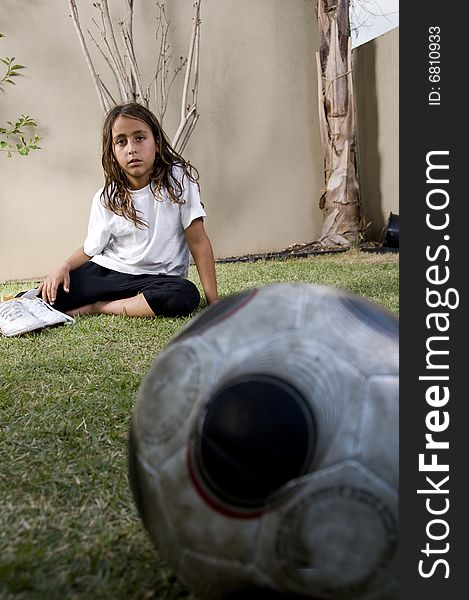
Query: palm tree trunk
[[340, 201]]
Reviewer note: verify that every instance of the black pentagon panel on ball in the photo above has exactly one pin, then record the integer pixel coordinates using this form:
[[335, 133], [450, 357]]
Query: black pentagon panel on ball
[[257, 433], [215, 313], [373, 315]]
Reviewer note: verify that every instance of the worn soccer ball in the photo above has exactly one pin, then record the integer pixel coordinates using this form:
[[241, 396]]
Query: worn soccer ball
[[263, 448]]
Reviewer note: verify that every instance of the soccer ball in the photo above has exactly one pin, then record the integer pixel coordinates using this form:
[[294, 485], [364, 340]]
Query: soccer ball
[[263, 448]]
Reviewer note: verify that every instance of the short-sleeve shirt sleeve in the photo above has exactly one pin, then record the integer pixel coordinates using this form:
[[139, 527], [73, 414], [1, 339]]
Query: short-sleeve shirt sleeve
[[192, 208], [98, 227]]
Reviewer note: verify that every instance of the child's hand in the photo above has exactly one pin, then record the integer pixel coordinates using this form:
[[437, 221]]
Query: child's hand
[[48, 288]]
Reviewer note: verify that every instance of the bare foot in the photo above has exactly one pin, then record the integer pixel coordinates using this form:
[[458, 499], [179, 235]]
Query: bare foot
[[83, 310], [136, 306]]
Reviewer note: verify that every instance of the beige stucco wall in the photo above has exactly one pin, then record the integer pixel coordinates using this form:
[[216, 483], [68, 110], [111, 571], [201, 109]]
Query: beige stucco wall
[[376, 79], [256, 144]]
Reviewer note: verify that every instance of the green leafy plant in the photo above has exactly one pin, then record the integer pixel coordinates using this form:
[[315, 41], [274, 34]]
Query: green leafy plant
[[13, 137]]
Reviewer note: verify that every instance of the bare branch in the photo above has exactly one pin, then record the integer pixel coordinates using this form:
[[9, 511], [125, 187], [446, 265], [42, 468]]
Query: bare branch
[[124, 66], [104, 7], [188, 133], [190, 57], [126, 36], [168, 86], [111, 101], [130, 20], [94, 75], [195, 89], [129, 30], [114, 50], [186, 110], [106, 58], [163, 61]]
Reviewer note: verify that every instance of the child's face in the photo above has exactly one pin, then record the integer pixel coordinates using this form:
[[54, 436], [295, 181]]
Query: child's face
[[135, 150]]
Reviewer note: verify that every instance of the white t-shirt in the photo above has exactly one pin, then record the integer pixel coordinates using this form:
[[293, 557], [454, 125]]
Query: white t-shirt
[[161, 248]]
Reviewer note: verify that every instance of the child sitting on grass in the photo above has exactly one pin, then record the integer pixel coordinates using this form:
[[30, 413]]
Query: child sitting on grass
[[142, 226]]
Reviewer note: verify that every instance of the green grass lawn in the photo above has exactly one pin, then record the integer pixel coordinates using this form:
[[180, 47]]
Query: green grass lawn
[[68, 524]]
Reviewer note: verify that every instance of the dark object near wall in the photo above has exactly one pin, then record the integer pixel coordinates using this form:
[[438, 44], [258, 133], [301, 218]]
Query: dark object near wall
[[390, 233]]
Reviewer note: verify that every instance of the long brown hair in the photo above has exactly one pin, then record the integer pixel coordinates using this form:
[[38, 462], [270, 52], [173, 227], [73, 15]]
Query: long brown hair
[[116, 195]]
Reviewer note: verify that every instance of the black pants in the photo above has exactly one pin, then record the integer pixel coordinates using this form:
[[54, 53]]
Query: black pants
[[167, 295]]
